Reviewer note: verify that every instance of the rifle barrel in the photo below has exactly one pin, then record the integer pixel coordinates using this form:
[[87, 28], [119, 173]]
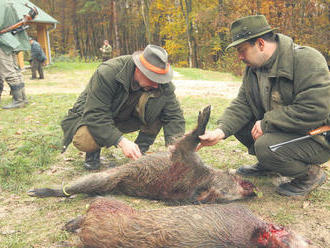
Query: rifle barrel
[[273, 148]]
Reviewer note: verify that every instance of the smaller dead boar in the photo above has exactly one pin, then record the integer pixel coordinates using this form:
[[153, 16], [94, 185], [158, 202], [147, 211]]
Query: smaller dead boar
[[110, 223], [179, 175]]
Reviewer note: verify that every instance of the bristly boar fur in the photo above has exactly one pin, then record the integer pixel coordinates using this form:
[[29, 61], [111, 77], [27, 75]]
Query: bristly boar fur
[[179, 175], [110, 223]]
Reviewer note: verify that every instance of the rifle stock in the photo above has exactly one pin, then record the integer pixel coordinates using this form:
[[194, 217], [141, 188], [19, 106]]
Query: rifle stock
[[29, 17]]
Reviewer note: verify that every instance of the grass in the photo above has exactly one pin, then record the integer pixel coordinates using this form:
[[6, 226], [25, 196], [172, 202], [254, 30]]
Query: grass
[[30, 157], [199, 74]]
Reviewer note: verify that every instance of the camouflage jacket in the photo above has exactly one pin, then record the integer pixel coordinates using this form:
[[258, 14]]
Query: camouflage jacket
[[299, 84], [108, 89]]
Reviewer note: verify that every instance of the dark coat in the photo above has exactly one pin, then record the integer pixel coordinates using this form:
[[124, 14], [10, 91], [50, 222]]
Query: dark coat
[[300, 75], [107, 91], [37, 52]]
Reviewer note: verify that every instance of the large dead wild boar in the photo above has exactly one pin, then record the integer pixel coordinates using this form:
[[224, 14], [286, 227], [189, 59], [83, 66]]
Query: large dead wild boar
[[110, 223], [179, 175]]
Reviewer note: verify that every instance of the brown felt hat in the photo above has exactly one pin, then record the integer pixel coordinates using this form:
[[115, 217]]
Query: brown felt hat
[[247, 28], [153, 63]]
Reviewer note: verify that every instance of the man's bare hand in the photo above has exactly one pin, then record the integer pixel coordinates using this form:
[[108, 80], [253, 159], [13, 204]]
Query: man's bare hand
[[130, 149], [256, 131], [210, 138]]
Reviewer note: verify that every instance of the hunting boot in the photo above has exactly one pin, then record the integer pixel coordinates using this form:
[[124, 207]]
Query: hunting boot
[[24, 96], [256, 170], [1, 88], [18, 101], [301, 186], [92, 160]]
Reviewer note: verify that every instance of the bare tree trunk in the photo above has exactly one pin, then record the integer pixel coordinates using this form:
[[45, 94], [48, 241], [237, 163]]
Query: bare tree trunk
[[145, 14], [76, 28], [115, 24], [186, 14]]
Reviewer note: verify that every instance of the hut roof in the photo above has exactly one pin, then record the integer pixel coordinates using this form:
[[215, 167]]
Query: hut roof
[[21, 9]]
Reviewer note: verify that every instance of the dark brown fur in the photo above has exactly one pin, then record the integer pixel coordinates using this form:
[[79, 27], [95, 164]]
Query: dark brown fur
[[110, 223], [177, 175]]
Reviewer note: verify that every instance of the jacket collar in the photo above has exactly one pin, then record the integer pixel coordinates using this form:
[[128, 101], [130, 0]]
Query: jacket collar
[[283, 65], [126, 74]]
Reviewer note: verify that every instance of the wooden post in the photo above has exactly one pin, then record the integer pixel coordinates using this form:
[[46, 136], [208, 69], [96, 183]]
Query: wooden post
[[42, 39], [20, 59]]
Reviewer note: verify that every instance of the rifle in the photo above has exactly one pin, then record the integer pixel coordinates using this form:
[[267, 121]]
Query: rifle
[[321, 130], [20, 26]]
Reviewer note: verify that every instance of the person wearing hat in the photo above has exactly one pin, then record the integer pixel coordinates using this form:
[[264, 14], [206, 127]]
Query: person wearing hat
[[285, 94], [125, 94]]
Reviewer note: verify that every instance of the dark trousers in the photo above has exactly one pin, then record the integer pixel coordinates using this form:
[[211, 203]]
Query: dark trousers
[[37, 66], [291, 160], [147, 134]]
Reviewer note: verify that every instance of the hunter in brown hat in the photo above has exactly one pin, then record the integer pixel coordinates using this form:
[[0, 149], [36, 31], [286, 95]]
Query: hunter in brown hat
[[284, 95], [125, 94]]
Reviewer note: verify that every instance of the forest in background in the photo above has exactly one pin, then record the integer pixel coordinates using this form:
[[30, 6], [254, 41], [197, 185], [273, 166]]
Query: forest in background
[[194, 32]]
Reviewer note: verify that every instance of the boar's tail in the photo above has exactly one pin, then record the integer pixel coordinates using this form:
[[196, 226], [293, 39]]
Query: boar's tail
[[74, 225]]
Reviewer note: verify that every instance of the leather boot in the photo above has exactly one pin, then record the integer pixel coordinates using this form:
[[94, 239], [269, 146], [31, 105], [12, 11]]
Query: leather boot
[[254, 170], [24, 96], [1, 88], [92, 160], [18, 101], [301, 186]]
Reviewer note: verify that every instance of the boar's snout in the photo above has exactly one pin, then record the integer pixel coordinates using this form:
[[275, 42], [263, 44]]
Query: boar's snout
[[248, 188]]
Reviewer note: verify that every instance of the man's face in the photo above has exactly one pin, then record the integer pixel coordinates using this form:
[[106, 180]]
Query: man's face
[[251, 55], [145, 83]]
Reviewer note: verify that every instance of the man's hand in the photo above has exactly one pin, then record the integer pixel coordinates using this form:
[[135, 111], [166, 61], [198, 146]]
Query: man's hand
[[130, 149], [210, 138], [256, 131]]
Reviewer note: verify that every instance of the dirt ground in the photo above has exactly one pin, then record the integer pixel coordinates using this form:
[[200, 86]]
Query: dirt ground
[[310, 220]]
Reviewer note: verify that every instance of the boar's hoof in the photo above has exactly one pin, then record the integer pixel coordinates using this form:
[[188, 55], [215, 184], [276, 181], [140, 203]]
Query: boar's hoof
[[43, 192]]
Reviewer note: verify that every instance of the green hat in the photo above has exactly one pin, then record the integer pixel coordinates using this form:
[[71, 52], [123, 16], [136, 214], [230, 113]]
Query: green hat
[[247, 28]]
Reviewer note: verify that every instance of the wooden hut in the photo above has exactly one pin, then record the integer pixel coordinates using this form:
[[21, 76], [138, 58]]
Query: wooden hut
[[43, 24]]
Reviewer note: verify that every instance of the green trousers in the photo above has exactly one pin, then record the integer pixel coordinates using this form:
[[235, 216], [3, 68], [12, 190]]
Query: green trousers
[[291, 160]]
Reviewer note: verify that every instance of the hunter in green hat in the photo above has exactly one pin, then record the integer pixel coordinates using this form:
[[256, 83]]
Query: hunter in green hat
[[285, 94], [125, 94]]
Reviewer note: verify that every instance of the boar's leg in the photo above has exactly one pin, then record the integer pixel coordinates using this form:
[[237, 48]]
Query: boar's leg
[[74, 224], [96, 183], [185, 146]]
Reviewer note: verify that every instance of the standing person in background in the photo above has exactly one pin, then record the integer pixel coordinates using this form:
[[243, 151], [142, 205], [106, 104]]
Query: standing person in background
[[284, 95], [126, 94], [10, 44], [38, 58], [106, 50]]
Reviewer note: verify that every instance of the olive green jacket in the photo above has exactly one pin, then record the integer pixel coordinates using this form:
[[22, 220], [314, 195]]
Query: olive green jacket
[[106, 92], [8, 16], [299, 84], [106, 51]]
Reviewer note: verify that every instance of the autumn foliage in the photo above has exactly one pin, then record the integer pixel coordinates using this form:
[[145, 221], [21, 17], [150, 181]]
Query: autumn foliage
[[195, 32]]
